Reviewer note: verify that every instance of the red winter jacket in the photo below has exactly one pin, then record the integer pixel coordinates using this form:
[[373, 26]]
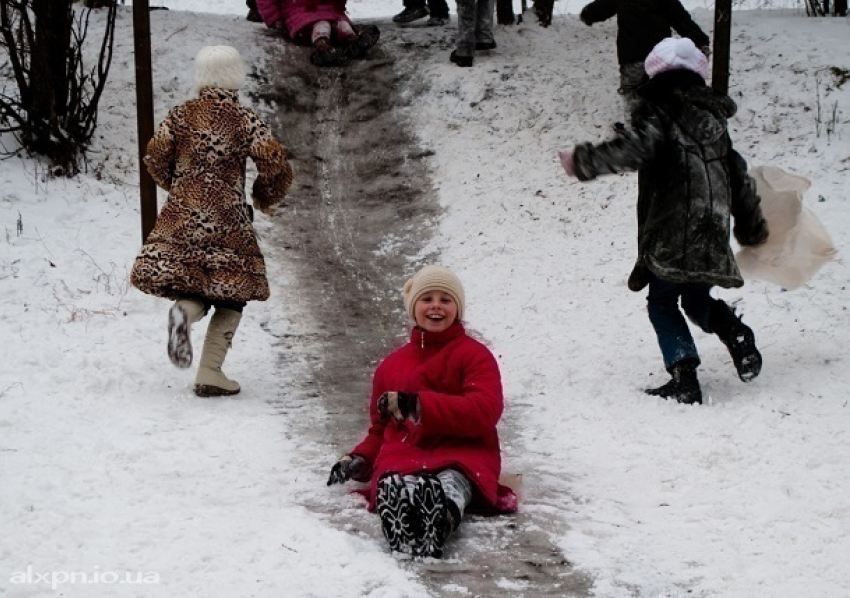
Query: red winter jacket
[[460, 401]]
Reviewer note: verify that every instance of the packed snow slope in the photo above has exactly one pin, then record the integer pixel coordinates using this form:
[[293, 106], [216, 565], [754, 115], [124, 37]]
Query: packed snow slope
[[113, 470]]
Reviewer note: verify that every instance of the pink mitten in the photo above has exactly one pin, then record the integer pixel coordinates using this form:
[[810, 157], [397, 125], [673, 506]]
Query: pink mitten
[[567, 162]]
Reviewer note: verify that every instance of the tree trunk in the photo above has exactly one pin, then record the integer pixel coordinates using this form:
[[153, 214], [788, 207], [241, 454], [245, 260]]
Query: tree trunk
[[48, 90], [722, 42]]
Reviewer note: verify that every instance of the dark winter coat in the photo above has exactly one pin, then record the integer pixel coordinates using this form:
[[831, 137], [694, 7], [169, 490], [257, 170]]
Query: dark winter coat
[[641, 24], [203, 243], [690, 180], [460, 401]]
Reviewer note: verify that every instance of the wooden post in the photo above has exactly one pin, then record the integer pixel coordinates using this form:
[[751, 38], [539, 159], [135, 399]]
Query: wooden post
[[722, 42], [144, 109]]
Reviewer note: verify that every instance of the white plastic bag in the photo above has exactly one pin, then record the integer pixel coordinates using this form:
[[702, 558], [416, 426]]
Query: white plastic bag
[[798, 244]]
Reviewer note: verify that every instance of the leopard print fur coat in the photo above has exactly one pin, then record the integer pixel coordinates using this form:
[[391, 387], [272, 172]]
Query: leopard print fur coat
[[203, 244]]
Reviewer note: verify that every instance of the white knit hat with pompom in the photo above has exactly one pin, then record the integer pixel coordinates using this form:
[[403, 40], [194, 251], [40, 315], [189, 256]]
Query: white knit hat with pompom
[[219, 66]]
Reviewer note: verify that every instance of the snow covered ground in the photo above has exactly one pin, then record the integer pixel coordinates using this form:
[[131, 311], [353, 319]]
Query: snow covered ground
[[114, 474]]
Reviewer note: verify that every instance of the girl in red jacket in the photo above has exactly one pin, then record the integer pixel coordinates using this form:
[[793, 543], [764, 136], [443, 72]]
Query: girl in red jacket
[[323, 24], [432, 448]]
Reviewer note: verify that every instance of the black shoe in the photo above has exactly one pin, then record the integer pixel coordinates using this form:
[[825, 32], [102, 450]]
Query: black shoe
[[745, 355], [738, 338], [437, 21], [429, 502], [254, 16], [326, 55], [684, 386], [398, 518], [367, 36], [485, 45], [408, 15], [460, 60], [619, 128]]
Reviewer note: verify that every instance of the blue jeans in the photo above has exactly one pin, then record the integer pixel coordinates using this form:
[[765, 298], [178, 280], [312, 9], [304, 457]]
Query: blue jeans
[[674, 336]]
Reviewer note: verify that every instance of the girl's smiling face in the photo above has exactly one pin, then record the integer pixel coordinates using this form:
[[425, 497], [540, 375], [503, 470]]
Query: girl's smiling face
[[435, 311]]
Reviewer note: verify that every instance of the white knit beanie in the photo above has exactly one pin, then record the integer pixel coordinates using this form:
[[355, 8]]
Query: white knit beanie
[[433, 278], [219, 66], [676, 53]]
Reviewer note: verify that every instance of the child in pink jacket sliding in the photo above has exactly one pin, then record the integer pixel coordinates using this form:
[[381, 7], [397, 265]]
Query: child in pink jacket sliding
[[322, 24]]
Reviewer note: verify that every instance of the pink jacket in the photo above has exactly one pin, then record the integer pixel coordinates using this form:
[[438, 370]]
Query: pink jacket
[[460, 399], [298, 16]]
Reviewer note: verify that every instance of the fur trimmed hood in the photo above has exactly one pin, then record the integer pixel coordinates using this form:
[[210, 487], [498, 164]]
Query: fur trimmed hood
[[675, 88]]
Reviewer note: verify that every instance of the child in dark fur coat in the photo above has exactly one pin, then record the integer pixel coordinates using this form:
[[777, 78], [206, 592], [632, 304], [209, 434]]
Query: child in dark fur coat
[[690, 182]]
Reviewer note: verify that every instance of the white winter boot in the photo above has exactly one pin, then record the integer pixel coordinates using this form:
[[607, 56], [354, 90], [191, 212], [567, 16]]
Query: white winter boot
[[182, 315], [210, 381]]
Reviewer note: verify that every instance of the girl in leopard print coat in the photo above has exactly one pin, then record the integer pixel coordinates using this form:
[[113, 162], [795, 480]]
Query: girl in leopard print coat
[[202, 251]]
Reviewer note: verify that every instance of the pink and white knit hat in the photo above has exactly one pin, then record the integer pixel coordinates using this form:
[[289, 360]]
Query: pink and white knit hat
[[676, 53]]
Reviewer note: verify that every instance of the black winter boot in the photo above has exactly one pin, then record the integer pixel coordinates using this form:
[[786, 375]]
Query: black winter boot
[[367, 36], [738, 338], [684, 387], [398, 518], [408, 15], [324, 54], [436, 520], [464, 61]]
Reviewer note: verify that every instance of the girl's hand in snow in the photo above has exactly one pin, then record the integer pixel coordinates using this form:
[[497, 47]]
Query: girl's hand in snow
[[348, 466]]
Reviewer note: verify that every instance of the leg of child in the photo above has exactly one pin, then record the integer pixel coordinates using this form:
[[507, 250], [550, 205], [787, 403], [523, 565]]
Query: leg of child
[[697, 303], [321, 29], [253, 13], [466, 16], [484, 21], [458, 492], [439, 9], [345, 33], [674, 336]]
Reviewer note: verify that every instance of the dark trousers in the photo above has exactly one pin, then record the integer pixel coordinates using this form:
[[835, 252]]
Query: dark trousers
[[436, 8], [674, 336], [474, 24]]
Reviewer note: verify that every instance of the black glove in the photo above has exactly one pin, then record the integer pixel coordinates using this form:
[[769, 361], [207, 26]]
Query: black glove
[[348, 466], [706, 50], [398, 405], [754, 234]]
